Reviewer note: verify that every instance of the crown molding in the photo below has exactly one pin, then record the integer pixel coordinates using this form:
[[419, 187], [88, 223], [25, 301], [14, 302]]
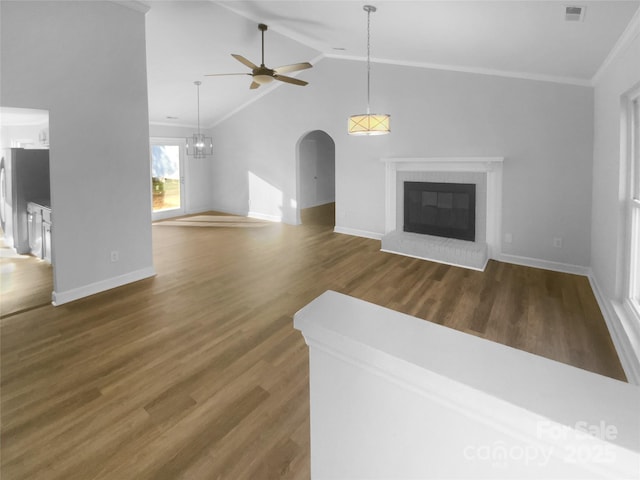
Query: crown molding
[[499, 73], [629, 34], [175, 124], [480, 71], [133, 5], [632, 30]]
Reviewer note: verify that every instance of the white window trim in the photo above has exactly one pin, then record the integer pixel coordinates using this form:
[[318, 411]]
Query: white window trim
[[181, 143], [632, 213]]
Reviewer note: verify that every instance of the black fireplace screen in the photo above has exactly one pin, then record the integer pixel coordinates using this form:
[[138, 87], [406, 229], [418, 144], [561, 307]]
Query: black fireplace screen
[[441, 209]]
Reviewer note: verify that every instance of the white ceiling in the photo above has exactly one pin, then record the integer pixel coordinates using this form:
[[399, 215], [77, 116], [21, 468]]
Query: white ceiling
[[187, 39]]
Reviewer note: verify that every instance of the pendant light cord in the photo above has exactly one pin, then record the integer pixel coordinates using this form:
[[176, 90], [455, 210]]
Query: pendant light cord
[[368, 59], [369, 123], [198, 109]]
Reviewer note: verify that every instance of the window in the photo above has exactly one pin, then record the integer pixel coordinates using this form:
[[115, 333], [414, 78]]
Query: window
[[167, 178], [634, 202]]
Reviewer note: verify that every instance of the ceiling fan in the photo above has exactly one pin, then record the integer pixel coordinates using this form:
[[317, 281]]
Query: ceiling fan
[[262, 74]]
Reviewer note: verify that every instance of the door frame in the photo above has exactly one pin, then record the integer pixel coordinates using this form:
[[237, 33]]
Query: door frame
[[181, 144]]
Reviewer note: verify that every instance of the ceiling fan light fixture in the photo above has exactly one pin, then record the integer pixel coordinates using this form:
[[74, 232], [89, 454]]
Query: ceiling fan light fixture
[[369, 123], [198, 145], [262, 79]]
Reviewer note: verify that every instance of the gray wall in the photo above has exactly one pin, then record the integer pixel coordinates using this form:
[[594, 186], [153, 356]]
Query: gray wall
[[545, 131], [85, 63]]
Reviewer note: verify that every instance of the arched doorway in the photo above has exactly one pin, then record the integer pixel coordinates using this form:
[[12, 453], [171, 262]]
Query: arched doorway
[[316, 179]]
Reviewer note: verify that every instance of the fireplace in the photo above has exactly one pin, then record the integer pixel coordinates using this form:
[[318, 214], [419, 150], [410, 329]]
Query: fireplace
[[440, 209], [481, 222]]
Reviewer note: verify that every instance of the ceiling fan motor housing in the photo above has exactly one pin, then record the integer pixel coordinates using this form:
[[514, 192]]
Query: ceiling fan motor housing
[[262, 75]]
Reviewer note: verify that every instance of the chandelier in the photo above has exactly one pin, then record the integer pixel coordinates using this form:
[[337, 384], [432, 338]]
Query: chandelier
[[199, 146]]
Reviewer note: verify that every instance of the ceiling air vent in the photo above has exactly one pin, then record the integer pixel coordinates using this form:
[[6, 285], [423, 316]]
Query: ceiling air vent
[[574, 14]]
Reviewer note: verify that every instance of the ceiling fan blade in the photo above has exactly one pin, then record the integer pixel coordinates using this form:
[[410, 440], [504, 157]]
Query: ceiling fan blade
[[244, 61], [224, 74], [294, 67], [254, 85], [291, 80]]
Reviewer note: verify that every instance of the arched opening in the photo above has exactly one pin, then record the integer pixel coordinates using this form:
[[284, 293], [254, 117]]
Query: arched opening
[[316, 179]]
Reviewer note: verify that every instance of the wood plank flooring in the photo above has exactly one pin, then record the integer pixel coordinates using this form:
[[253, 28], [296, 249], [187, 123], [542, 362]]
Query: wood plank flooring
[[25, 282], [198, 372], [319, 215]]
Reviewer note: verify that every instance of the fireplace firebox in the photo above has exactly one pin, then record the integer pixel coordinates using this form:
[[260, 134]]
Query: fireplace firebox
[[440, 209]]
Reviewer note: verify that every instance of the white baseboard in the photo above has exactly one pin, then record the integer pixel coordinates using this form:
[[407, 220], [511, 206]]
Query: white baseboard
[[241, 213], [544, 264], [198, 209], [616, 317], [265, 216], [358, 233], [502, 257], [59, 298]]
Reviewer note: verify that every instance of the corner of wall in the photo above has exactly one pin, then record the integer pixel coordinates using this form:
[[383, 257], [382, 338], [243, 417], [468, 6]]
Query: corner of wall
[[614, 77], [58, 298], [632, 31], [623, 331]]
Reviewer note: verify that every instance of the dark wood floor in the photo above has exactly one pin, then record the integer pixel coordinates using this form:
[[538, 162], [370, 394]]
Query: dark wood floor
[[198, 372], [319, 215]]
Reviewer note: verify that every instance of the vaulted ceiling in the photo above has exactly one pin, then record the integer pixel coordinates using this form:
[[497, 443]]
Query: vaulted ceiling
[[187, 39]]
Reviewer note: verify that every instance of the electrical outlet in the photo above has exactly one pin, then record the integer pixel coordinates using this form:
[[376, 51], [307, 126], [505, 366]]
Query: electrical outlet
[[557, 242], [508, 238], [115, 256]]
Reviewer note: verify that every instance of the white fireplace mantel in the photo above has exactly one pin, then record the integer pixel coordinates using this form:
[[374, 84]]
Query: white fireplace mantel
[[492, 166], [449, 164]]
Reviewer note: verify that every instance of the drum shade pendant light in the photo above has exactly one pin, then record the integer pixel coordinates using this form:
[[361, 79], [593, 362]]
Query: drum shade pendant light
[[199, 146], [369, 123]]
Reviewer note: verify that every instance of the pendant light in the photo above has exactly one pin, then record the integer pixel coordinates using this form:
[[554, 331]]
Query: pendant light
[[199, 146], [369, 123]]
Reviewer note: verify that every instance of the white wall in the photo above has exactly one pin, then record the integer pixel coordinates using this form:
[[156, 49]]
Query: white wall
[[543, 129], [85, 63], [608, 213], [170, 131], [620, 76], [393, 396], [197, 171]]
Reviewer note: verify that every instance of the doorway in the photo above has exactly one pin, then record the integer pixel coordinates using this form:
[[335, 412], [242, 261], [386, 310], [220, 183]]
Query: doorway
[[26, 264], [167, 178], [316, 179]]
